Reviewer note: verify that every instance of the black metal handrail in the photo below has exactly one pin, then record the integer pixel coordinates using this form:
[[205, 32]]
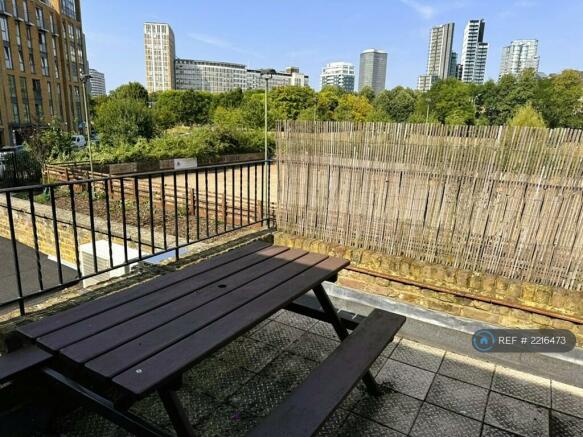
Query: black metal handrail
[[157, 212]]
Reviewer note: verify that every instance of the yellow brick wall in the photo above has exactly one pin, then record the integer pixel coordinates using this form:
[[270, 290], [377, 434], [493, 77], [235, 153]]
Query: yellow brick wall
[[555, 300]]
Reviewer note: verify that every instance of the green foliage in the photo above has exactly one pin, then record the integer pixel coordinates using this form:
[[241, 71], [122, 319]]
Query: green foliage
[[449, 98], [353, 107], [289, 101], [123, 120], [181, 107], [49, 144], [562, 100], [200, 142], [368, 93], [132, 90], [229, 117], [527, 116], [395, 105], [230, 99]]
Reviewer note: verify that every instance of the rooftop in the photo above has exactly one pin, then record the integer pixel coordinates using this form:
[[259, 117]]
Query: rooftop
[[426, 391]]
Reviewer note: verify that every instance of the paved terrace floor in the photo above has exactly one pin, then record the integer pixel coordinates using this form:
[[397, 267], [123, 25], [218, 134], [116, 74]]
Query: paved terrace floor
[[426, 391]]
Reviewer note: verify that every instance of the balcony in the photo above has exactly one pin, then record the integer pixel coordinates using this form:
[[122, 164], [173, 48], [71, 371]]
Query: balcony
[[433, 381]]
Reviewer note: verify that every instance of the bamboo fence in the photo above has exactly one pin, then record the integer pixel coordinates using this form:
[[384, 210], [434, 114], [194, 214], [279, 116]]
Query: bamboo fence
[[500, 200]]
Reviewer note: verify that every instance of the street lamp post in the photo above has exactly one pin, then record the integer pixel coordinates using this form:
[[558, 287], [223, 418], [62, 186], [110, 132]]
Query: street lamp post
[[266, 73], [84, 79]]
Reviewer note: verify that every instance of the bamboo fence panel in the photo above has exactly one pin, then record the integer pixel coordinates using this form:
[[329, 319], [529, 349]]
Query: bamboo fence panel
[[494, 199]]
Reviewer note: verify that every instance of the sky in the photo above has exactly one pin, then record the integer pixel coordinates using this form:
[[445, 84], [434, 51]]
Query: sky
[[309, 34]]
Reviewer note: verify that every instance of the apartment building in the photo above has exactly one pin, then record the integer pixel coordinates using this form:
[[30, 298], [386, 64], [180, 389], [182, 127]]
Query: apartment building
[[43, 52], [159, 51]]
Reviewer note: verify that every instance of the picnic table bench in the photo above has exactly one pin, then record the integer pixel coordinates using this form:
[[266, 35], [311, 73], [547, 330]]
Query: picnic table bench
[[115, 350]]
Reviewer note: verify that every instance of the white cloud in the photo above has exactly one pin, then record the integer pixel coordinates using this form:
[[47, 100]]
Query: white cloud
[[425, 11], [221, 43]]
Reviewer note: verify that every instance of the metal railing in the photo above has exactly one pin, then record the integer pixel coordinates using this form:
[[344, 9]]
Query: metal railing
[[132, 218]]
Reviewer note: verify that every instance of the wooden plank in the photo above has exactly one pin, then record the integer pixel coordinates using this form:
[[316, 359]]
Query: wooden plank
[[117, 335], [309, 405], [92, 325], [158, 369], [21, 360], [147, 345], [73, 315]]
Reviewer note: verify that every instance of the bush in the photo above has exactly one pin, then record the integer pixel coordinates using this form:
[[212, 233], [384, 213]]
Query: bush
[[182, 142], [123, 121], [527, 116]]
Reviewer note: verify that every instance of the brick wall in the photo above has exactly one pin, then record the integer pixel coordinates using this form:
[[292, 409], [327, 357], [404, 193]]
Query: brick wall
[[462, 293], [46, 238]]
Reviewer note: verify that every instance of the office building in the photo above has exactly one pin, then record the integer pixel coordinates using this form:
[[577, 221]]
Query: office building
[[219, 77], [42, 54], [97, 83], [160, 54], [297, 77], [340, 74], [474, 53], [211, 76], [441, 60], [518, 56], [373, 70]]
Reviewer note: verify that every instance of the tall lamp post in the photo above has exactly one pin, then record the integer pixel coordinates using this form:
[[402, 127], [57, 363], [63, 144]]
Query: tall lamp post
[[266, 74], [84, 79]]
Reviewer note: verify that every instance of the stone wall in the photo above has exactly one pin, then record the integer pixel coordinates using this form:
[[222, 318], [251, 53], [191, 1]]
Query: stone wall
[[474, 295]]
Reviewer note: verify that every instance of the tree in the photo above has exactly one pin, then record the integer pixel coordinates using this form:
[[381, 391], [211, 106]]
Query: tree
[[397, 104], [123, 121], [527, 116], [229, 117], [50, 143], [132, 90], [289, 101], [352, 108], [449, 97], [229, 99], [562, 101], [368, 93]]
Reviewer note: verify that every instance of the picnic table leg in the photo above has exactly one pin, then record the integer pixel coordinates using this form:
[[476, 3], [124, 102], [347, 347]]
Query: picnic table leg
[[342, 333], [176, 412]]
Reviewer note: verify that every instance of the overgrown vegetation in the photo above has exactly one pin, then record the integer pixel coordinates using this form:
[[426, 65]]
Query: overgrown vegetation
[[133, 125]]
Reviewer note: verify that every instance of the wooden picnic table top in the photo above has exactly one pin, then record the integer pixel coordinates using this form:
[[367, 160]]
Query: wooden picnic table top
[[142, 338]]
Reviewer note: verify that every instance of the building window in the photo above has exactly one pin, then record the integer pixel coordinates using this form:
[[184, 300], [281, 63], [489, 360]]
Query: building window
[[68, 8], [50, 94], [31, 61], [14, 8], [40, 18], [4, 28], [21, 60], [18, 36], [42, 42], [60, 97], [2, 5], [38, 99], [25, 10], [8, 57], [28, 38], [14, 99], [52, 21], [44, 65], [25, 105]]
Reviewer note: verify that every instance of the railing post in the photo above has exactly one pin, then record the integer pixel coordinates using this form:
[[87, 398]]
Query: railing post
[[15, 253]]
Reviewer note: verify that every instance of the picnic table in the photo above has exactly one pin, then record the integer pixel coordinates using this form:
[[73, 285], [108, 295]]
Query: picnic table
[[113, 351]]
